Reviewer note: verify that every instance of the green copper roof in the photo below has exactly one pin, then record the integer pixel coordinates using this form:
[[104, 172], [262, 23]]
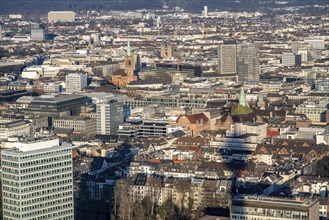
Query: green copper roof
[[128, 49]]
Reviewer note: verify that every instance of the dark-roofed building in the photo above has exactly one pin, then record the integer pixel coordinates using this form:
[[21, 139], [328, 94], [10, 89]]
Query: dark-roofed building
[[60, 105]]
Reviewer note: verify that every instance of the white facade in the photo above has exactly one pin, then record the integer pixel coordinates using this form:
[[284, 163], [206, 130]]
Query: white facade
[[12, 127], [64, 16], [38, 34], [108, 117], [75, 82], [37, 181], [317, 44], [288, 59]]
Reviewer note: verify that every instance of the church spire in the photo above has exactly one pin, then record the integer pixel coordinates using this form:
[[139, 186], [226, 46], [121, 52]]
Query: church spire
[[242, 98], [128, 49]]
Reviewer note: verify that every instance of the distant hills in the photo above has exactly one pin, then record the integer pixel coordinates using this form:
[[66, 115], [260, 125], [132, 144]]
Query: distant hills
[[41, 7]]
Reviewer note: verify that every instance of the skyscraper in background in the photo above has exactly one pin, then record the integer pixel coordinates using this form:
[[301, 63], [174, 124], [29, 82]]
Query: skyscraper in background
[[227, 57], [109, 116], [205, 11], [37, 180], [248, 62]]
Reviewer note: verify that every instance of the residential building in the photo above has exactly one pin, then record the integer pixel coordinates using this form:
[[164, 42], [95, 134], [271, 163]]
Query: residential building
[[78, 123], [37, 180], [316, 112], [10, 127]]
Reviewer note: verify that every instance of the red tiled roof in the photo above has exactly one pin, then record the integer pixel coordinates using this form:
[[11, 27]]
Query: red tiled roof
[[272, 133]]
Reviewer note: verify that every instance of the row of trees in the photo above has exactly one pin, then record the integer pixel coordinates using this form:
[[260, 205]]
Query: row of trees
[[147, 210], [125, 209]]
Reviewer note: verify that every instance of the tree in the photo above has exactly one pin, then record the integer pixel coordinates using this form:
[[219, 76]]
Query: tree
[[168, 210], [143, 210], [123, 205]]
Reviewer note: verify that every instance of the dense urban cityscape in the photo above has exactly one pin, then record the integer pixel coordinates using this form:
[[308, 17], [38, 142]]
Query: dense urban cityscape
[[174, 112]]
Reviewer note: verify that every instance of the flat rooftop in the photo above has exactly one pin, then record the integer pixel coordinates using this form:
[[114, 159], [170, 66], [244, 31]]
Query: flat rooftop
[[56, 99]]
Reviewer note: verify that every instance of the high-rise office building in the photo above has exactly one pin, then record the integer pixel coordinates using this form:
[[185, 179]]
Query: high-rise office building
[[248, 62], [227, 57], [205, 11], [37, 32], [37, 180], [108, 117], [75, 82]]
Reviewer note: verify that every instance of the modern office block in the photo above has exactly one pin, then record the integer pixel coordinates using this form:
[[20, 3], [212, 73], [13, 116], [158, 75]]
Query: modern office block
[[288, 59], [60, 105], [75, 82], [270, 208], [227, 58], [37, 180], [248, 62], [108, 117]]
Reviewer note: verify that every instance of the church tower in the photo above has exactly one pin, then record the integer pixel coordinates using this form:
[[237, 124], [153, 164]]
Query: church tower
[[242, 98], [129, 62], [126, 75]]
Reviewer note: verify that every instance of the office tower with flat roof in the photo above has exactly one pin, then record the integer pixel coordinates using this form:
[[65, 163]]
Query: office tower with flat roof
[[227, 57], [108, 117], [288, 59], [205, 11], [37, 180], [248, 62], [75, 82], [271, 208], [37, 32]]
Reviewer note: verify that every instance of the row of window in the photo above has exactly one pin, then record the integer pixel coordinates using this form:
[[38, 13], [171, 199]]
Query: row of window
[[62, 191]]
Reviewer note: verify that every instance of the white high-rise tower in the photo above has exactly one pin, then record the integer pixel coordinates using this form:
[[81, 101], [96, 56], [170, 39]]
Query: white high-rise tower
[[37, 180]]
